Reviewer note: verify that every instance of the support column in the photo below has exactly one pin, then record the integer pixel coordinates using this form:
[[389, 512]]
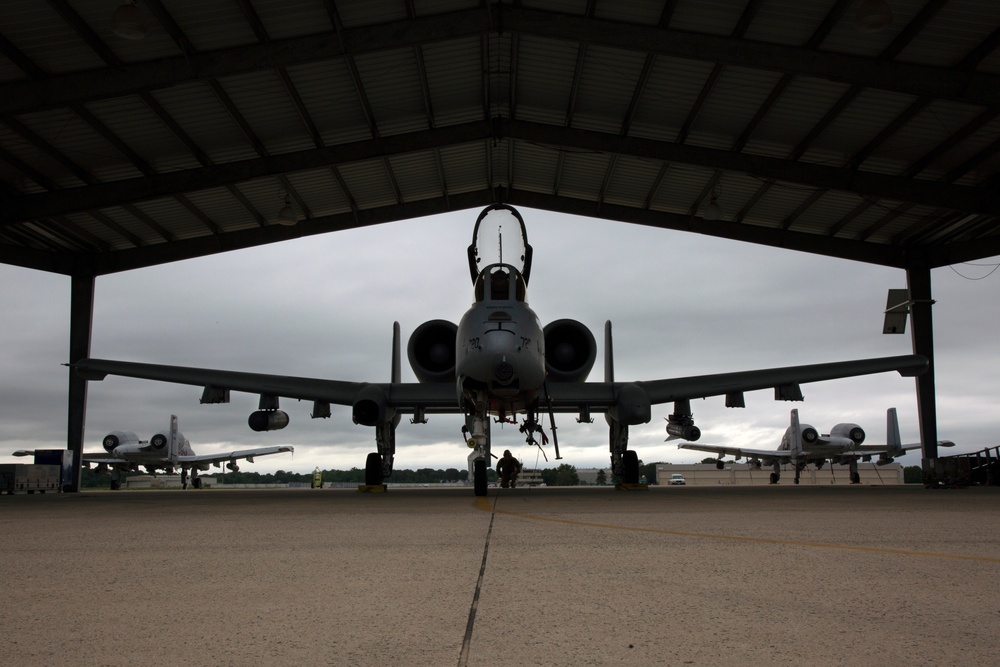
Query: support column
[[918, 281], [80, 324]]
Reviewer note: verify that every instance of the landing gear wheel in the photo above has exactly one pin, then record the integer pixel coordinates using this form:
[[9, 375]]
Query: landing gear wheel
[[719, 465], [115, 485], [775, 477], [855, 478], [373, 469], [196, 482], [630, 467], [479, 476]]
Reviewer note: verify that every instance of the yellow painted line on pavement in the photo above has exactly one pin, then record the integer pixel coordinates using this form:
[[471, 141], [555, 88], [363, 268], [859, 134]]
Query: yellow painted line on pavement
[[484, 503]]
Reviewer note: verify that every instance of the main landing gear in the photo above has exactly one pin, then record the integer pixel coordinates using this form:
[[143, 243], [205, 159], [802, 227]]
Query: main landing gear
[[624, 461]]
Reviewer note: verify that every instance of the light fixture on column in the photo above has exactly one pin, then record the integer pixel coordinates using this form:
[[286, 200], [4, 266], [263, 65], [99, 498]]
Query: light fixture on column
[[873, 16], [128, 22], [287, 215], [713, 211]]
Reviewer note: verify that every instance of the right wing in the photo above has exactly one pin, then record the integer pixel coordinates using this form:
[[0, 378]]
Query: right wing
[[739, 452], [404, 396]]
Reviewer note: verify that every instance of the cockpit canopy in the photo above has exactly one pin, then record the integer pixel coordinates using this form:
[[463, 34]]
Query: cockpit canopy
[[500, 282], [500, 239]]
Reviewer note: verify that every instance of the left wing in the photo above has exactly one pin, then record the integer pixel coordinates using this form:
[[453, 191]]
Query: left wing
[[247, 454], [785, 381]]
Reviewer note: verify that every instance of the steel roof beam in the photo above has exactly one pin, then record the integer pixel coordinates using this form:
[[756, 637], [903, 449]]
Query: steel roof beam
[[969, 199], [128, 79]]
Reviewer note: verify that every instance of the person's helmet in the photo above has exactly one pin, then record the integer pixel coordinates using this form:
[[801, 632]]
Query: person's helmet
[[506, 452]]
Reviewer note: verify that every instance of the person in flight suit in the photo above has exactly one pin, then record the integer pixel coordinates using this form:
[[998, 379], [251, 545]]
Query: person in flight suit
[[508, 468]]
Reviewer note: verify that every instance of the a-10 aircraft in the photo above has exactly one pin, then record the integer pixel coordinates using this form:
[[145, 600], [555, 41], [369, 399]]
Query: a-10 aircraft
[[802, 444], [168, 452], [499, 362]]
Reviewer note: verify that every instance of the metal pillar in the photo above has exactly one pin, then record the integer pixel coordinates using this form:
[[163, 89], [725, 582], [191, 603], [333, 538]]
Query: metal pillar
[[918, 280], [80, 323]]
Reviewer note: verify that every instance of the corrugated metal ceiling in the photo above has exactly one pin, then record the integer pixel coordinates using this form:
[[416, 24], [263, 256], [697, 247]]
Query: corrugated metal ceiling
[[806, 132]]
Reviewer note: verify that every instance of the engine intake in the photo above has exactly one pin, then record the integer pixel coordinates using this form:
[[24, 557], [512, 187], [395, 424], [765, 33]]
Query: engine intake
[[431, 351], [158, 441], [852, 431], [116, 438], [570, 351]]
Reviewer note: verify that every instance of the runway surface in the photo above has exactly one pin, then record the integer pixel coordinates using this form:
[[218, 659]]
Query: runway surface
[[574, 576]]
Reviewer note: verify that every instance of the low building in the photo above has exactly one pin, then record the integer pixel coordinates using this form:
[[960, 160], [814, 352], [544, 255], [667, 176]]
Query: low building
[[706, 474]]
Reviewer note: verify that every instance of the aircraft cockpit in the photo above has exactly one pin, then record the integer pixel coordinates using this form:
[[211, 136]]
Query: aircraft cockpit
[[499, 240], [500, 282]]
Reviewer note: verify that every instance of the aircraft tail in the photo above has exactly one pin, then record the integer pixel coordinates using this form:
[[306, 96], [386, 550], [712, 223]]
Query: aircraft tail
[[172, 443], [795, 434], [609, 359], [397, 372], [893, 443]]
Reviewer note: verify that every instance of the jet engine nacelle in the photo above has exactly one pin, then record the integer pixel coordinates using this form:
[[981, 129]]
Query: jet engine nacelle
[[570, 351], [158, 441], [809, 435], [431, 351], [852, 431], [116, 438], [268, 420]]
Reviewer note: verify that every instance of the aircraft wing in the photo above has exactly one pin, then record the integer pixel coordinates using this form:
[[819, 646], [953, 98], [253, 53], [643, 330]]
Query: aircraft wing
[[401, 395], [101, 457], [441, 398], [248, 454], [884, 449], [566, 395], [739, 452]]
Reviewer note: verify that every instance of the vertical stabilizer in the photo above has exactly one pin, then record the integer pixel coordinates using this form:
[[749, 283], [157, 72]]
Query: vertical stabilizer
[[894, 445], [174, 449], [794, 434], [609, 360], [397, 372]]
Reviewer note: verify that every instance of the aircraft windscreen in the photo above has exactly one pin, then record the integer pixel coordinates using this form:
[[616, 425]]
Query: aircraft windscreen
[[499, 239]]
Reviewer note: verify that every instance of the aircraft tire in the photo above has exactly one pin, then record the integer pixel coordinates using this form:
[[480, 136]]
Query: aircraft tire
[[115, 485], [630, 467], [855, 478], [775, 477], [196, 482], [373, 469], [479, 476]]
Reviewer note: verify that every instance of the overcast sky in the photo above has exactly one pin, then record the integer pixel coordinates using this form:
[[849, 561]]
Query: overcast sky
[[681, 304]]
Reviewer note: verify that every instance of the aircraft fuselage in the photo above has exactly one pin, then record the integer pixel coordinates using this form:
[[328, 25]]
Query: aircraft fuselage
[[500, 346]]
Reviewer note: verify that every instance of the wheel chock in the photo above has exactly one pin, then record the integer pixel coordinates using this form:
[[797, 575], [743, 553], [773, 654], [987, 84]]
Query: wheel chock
[[372, 488], [631, 487]]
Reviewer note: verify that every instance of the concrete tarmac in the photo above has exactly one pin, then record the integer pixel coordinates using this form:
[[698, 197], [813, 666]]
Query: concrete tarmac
[[570, 576]]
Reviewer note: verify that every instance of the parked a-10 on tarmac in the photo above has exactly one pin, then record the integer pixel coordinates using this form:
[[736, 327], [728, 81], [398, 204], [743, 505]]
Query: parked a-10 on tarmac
[[499, 361]]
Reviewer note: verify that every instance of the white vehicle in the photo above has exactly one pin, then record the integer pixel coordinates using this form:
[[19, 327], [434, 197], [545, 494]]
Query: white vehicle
[[677, 478]]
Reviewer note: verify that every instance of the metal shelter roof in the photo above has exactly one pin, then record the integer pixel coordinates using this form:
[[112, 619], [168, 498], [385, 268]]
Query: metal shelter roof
[[777, 122]]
